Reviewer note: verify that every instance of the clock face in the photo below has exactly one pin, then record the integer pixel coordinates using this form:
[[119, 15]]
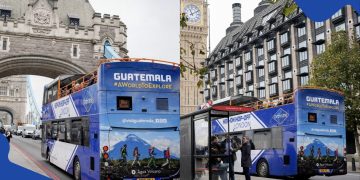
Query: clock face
[[192, 13]]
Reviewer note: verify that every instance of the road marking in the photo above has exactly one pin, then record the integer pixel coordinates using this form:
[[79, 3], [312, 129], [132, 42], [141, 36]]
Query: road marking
[[350, 174], [43, 168]]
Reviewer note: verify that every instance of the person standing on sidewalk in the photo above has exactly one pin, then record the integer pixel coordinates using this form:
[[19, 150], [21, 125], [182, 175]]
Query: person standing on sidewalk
[[246, 156], [8, 136]]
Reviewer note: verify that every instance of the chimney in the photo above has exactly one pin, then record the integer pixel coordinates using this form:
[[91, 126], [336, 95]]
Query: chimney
[[236, 18]]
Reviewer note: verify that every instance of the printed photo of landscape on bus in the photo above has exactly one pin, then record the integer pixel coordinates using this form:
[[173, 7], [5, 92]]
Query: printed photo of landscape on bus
[[139, 153]]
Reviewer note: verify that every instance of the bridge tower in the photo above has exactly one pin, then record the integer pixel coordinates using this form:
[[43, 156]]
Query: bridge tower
[[53, 37]]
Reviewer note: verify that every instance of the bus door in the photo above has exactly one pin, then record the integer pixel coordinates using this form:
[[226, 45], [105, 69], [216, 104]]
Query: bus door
[[44, 129]]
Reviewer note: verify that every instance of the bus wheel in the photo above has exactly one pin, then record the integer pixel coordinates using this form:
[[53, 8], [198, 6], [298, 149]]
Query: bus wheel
[[77, 169], [262, 168]]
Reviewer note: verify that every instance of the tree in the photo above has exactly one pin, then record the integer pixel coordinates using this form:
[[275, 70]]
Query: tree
[[339, 68], [191, 66], [289, 8]]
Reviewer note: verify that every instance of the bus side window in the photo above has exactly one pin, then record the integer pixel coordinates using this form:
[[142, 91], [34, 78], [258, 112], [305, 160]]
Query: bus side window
[[262, 139], [162, 104], [124, 102], [86, 132], [277, 137], [312, 118], [54, 130], [68, 131], [49, 95], [76, 132], [45, 97], [54, 94], [61, 134], [48, 131], [333, 119]]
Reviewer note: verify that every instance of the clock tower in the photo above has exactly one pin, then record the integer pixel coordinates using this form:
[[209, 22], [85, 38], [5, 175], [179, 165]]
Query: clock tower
[[193, 35]]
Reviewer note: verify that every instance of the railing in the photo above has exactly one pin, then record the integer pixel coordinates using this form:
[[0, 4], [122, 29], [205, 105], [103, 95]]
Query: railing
[[91, 78]]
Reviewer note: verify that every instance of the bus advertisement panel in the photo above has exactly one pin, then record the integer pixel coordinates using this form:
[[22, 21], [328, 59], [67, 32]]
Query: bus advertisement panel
[[321, 132], [141, 127]]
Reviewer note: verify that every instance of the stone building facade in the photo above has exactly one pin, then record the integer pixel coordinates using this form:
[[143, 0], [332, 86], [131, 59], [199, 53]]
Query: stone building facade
[[195, 33], [49, 38], [270, 54]]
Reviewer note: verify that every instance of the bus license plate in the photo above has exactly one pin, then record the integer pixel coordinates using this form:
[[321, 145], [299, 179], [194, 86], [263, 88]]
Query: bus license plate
[[324, 170], [145, 178]]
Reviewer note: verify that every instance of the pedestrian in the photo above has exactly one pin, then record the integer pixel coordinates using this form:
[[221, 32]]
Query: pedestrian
[[217, 166], [246, 156], [8, 136], [230, 147]]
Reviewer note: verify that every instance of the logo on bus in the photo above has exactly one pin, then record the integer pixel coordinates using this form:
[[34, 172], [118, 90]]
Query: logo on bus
[[87, 101], [280, 116]]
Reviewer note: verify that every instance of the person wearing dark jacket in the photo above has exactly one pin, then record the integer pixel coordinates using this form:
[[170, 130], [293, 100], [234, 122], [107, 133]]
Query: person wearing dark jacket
[[246, 156], [230, 147]]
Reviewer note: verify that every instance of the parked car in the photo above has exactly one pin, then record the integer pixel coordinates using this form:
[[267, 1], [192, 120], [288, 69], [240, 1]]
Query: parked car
[[19, 130], [28, 130], [36, 134]]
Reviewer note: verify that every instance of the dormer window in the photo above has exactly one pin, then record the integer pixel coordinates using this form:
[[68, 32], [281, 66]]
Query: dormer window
[[5, 13], [74, 20]]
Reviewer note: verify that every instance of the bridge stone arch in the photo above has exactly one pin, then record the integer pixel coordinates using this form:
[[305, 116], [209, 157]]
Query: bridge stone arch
[[12, 112], [40, 65]]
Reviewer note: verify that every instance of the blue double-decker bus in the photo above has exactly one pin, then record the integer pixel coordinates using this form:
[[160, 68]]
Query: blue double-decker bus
[[300, 136], [119, 122]]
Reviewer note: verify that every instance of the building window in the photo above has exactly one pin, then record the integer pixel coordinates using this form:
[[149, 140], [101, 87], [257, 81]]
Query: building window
[[261, 93], [239, 72], [240, 91], [302, 44], [272, 67], [260, 51], [238, 61], [273, 90], [337, 14], [3, 91], [303, 56], [287, 75], [238, 80], [301, 31], [287, 51], [5, 44], [274, 79], [273, 57], [285, 61], [284, 38], [340, 27], [304, 69], [248, 76], [213, 74], [222, 90], [287, 85], [222, 71], [357, 31], [248, 56], [230, 88], [12, 93], [214, 91], [230, 66], [319, 24], [249, 67], [74, 21], [5, 13], [304, 80], [261, 72], [320, 36], [320, 48], [271, 45], [75, 51]]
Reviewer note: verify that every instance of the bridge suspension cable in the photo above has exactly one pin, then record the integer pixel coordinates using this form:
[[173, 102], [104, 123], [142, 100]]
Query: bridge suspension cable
[[33, 116]]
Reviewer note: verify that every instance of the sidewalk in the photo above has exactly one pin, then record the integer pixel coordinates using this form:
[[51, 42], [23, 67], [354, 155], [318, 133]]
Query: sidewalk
[[19, 158], [349, 167]]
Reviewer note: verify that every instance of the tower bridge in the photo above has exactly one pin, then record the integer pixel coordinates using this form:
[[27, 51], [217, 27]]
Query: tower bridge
[[52, 37]]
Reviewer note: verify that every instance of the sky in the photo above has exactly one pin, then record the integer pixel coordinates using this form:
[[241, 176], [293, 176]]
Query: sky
[[221, 16], [152, 29]]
